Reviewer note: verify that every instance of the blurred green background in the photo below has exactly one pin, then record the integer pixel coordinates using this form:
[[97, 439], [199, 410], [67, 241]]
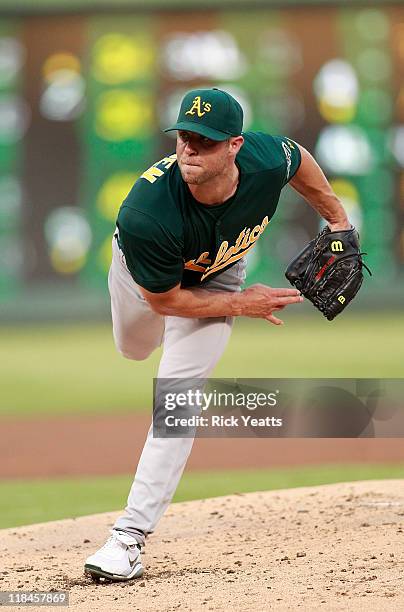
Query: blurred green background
[[85, 95]]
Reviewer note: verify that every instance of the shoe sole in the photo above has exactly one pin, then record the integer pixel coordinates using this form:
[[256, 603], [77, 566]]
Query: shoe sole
[[96, 573]]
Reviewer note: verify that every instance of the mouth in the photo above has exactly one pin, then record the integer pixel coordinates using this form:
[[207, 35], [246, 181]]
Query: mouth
[[186, 163]]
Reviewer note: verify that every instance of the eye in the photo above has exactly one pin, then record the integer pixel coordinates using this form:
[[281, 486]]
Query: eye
[[207, 142]]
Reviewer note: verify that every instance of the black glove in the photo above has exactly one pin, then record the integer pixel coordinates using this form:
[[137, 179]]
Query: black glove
[[328, 271]]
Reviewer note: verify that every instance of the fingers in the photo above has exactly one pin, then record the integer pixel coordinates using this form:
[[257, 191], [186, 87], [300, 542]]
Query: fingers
[[292, 299], [282, 302], [284, 292], [272, 319]]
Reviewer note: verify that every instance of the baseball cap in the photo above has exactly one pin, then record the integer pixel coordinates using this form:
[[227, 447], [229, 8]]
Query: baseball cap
[[213, 113]]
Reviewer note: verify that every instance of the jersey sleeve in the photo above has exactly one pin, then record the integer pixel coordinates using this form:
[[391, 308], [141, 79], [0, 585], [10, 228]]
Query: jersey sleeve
[[153, 256], [290, 155]]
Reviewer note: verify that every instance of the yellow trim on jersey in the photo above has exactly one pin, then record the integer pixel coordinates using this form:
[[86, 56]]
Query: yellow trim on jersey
[[192, 264], [244, 243], [229, 261]]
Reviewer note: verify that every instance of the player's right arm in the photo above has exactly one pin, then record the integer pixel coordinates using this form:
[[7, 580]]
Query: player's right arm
[[153, 254], [258, 301]]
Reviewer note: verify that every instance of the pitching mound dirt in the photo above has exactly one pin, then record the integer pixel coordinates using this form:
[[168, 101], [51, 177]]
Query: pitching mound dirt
[[335, 547]]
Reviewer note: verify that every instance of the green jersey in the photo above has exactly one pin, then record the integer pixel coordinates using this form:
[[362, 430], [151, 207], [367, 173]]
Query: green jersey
[[168, 237]]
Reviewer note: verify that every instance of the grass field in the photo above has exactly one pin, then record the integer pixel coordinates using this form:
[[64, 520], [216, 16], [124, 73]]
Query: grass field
[[30, 501], [75, 368]]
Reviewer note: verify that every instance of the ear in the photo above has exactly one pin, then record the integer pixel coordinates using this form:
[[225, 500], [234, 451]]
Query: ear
[[235, 144]]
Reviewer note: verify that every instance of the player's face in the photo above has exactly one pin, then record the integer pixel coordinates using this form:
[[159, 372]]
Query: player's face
[[201, 159]]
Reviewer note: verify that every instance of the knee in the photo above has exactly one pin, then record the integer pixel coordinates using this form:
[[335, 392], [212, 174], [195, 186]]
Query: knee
[[134, 353]]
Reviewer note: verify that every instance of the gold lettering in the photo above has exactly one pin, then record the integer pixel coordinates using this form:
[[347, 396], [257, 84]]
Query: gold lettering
[[222, 250], [244, 243], [239, 239], [204, 258], [234, 249], [198, 265], [223, 264], [196, 106], [264, 223], [167, 162], [230, 251], [246, 240], [255, 234], [152, 174]]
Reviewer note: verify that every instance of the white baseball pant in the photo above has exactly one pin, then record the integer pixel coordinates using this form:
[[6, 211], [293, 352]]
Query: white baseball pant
[[191, 349]]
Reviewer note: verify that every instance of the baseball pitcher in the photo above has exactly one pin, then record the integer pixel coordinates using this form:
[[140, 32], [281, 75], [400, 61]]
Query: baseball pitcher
[[178, 266]]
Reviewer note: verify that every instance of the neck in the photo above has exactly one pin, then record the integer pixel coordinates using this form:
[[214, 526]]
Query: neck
[[218, 189]]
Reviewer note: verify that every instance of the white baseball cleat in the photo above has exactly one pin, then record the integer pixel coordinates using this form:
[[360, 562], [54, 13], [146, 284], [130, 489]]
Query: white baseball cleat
[[119, 559]]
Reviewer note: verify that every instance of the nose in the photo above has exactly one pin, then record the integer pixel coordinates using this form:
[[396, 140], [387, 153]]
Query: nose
[[190, 148]]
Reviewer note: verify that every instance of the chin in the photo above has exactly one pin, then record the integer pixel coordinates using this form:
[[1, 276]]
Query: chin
[[192, 178]]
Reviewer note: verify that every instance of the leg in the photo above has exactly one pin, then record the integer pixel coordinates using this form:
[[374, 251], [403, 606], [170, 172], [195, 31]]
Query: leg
[[192, 348], [137, 329]]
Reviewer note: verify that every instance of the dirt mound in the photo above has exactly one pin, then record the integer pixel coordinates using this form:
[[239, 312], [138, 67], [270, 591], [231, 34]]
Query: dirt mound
[[334, 547]]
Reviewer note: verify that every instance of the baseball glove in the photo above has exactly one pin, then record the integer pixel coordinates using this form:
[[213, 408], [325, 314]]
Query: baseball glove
[[328, 271]]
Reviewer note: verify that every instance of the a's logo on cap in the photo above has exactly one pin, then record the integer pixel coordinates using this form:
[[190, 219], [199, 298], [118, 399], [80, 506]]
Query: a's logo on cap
[[197, 106]]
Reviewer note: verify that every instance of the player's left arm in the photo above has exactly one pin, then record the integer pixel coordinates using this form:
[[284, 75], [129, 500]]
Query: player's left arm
[[309, 181]]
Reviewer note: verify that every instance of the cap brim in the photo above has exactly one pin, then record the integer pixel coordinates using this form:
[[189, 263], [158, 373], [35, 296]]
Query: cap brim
[[203, 130]]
